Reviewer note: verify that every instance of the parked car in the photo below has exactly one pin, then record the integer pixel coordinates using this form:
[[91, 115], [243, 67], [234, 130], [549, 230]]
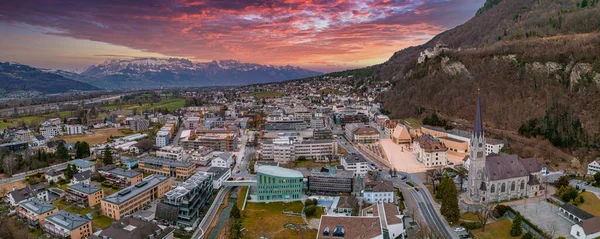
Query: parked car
[[459, 229]]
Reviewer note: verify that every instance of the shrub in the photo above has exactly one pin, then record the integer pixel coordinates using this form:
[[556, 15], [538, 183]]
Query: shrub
[[499, 210], [410, 184], [471, 225], [527, 235], [310, 210], [115, 187]]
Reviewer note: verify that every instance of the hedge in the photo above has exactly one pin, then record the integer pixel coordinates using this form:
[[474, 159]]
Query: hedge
[[533, 226]]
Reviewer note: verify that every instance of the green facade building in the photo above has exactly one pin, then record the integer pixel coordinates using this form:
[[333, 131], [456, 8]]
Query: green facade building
[[279, 184]]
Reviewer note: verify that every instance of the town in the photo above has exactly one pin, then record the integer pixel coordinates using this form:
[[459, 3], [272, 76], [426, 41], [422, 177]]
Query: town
[[301, 159]]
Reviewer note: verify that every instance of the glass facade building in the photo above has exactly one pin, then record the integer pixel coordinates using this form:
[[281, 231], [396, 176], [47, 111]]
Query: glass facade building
[[279, 184]]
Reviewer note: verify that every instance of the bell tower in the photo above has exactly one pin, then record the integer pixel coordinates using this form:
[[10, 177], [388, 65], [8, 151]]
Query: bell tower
[[477, 157]]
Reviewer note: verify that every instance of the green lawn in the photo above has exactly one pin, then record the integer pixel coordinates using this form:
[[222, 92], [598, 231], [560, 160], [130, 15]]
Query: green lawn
[[590, 204], [102, 221], [108, 190], [412, 122], [469, 216], [60, 204], [267, 219], [78, 210], [312, 164], [496, 230], [320, 211]]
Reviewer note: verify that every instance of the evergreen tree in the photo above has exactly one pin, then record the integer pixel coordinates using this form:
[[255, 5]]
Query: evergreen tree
[[527, 235], [70, 171], [450, 208], [516, 229], [82, 149], [235, 211], [62, 152], [107, 158]]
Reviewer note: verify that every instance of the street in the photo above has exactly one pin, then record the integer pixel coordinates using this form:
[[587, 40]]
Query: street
[[21, 176]]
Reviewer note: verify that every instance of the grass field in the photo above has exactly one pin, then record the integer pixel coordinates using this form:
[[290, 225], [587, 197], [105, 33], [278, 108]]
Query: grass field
[[469, 216], [312, 164], [7, 187], [496, 230], [412, 122], [169, 103], [267, 219], [98, 137], [29, 119], [590, 204], [107, 190], [101, 221]]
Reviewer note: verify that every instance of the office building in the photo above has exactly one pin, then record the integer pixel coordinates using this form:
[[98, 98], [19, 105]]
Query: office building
[[279, 184], [379, 191], [166, 167], [286, 125], [64, 224], [170, 152], [183, 205], [135, 198], [287, 149], [330, 180], [430, 151], [84, 195], [353, 118]]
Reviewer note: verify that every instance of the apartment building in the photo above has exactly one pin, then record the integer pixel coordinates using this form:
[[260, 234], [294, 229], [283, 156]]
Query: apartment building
[[73, 129], [287, 149], [162, 139], [133, 228], [356, 163], [34, 211], [122, 177], [170, 152], [220, 175], [183, 205], [139, 124], [381, 220], [224, 160], [50, 131], [218, 140], [430, 151], [136, 197], [84, 194], [166, 167], [34, 191], [191, 123], [330, 180], [23, 135], [64, 224], [82, 165]]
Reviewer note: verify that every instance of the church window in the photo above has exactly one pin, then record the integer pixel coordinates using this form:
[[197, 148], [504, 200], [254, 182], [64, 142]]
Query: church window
[[512, 186], [493, 188], [503, 188], [522, 184]]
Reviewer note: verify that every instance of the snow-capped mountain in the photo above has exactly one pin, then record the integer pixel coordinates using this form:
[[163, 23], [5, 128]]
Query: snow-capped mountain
[[178, 72]]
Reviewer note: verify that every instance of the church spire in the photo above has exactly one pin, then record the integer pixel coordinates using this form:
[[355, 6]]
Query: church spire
[[478, 129]]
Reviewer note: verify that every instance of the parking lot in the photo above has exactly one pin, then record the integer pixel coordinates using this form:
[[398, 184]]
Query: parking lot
[[545, 216]]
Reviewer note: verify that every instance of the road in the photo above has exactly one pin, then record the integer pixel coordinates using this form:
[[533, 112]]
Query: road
[[210, 214], [177, 136], [424, 202], [21, 176]]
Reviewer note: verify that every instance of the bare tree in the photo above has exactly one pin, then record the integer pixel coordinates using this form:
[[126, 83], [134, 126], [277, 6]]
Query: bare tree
[[461, 173], [9, 163], [426, 232], [484, 212], [551, 229], [434, 175]]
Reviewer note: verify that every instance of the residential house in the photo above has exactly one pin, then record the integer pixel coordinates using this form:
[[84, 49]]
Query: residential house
[[84, 194], [34, 191], [136, 197], [379, 191], [82, 165], [224, 160], [133, 228], [82, 177], [593, 167], [54, 175], [39, 140], [220, 175], [122, 177], [34, 211]]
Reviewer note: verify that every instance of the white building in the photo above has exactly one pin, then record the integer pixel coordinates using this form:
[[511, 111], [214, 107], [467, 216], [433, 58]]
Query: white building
[[587, 229], [74, 129], [379, 192], [220, 175], [287, 149], [594, 167], [356, 163], [170, 152], [50, 131], [430, 151], [224, 160], [162, 139], [381, 220]]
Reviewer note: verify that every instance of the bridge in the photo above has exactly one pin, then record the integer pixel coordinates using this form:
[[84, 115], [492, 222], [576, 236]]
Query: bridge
[[238, 183]]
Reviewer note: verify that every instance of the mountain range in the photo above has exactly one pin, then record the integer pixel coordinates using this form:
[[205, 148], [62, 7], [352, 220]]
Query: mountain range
[[145, 73], [22, 78]]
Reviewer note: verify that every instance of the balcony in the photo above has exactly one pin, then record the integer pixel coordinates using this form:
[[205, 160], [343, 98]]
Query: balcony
[[55, 231]]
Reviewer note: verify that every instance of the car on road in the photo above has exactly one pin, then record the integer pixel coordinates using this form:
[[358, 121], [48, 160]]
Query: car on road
[[459, 229], [450, 163], [403, 178]]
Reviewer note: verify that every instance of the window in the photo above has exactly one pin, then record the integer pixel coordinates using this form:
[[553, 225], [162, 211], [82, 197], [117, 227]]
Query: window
[[503, 188], [493, 188], [512, 186], [522, 184]]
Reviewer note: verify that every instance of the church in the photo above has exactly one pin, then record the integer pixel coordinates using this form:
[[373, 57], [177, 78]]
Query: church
[[499, 177]]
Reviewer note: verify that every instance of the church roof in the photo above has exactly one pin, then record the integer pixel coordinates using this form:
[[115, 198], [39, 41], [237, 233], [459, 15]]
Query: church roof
[[500, 167], [478, 129]]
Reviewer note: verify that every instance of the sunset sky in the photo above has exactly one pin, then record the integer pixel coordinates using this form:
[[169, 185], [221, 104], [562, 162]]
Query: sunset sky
[[322, 35]]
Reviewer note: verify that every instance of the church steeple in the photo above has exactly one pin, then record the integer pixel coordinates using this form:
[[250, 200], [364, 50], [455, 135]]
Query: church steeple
[[478, 129]]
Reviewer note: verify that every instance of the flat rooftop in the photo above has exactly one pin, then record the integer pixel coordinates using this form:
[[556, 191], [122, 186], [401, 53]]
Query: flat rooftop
[[279, 172], [125, 173], [130, 192], [84, 188], [167, 162]]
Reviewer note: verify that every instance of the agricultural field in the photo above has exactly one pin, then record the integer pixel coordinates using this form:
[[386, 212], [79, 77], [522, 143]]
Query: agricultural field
[[11, 122], [98, 137]]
